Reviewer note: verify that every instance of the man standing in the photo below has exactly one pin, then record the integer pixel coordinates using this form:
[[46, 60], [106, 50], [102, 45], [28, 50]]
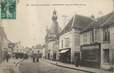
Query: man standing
[[33, 56], [77, 59], [7, 56], [37, 57]]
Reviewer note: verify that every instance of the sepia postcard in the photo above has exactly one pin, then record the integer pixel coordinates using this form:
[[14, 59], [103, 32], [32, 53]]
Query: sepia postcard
[[56, 36]]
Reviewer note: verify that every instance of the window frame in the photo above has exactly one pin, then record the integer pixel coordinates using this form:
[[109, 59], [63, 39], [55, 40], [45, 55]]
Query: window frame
[[106, 34]]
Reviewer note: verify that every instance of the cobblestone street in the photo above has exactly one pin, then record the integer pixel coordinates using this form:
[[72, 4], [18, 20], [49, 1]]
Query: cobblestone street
[[57, 36], [43, 67]]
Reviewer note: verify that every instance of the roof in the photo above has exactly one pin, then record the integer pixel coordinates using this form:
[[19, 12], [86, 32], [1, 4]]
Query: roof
[[67, 27], [81, 22], [103, 21], [109, 20], [77, 22]]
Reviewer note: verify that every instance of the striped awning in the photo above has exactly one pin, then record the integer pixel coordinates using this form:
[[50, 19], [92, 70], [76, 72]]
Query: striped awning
[[64, 51]]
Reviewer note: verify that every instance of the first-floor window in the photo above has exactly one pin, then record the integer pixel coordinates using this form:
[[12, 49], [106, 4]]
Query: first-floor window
[[106, 55], [67, 42], [106, 34]]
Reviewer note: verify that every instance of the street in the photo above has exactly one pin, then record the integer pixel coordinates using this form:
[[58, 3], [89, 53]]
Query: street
[[27, 66]]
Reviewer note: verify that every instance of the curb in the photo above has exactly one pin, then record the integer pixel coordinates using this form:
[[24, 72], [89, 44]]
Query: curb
[[72, 68]]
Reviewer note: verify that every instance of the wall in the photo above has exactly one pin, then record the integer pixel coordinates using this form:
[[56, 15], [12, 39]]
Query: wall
[[112, 44], [75, 46], [3, 44], [45, 52], [74, 42], [107, 45], [53, 47], [86, 37], [62, 38]]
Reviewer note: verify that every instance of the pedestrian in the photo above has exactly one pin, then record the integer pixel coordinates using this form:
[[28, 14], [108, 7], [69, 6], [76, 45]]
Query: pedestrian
[[37, 57], [33, 56], [77, 60], [7, 57]]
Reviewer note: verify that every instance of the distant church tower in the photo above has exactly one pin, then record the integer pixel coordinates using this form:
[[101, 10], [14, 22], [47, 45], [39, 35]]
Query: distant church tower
[[53, 32], [55, 27]]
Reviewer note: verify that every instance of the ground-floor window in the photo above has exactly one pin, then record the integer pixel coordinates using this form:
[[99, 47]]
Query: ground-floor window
[[91, 55], [106, 55], [65, 56]]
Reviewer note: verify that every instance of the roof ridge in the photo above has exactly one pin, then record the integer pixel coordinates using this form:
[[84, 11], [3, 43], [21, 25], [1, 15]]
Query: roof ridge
[[74, 17], [83, 16]]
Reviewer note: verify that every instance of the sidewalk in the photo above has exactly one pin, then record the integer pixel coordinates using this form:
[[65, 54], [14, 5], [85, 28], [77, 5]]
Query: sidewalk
[[8, 67], [71, 66]]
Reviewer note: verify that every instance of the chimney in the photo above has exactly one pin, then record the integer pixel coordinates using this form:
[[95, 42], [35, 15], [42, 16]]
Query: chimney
[[93, 18]]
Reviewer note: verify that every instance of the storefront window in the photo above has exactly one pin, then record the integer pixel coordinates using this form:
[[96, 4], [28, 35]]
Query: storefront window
[[90, 55]]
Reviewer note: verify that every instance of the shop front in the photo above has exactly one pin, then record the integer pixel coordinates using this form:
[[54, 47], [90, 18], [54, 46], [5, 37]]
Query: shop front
[[65, 55], [91, 55]]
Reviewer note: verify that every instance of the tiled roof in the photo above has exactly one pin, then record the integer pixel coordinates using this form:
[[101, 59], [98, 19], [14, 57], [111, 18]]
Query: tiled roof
[[105, 20], [109, 20], [81, 22], [67, 27], [77, 22]]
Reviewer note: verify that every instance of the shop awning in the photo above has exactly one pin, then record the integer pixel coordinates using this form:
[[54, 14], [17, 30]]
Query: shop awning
[[64, 50]]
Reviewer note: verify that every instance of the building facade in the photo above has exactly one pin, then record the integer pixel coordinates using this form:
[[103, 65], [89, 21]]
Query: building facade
[[69, 41], [88, 38], [96, 43], [3, 44]]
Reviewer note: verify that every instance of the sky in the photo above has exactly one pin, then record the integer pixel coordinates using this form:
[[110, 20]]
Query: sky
[[34, 16]]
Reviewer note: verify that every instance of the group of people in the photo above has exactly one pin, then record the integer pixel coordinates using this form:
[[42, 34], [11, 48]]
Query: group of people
[[35, 56], [6, 56]]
